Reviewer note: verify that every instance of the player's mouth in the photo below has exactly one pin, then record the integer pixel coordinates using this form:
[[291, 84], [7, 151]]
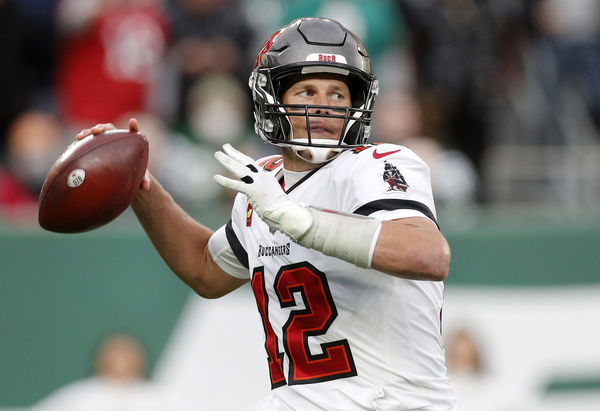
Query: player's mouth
[[319, 129]]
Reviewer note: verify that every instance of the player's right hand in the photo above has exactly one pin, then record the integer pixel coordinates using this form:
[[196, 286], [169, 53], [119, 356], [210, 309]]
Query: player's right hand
[[264, 192], [134, 127]]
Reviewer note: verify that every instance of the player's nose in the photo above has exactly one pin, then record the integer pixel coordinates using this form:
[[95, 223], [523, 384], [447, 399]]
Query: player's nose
[[320, 99]]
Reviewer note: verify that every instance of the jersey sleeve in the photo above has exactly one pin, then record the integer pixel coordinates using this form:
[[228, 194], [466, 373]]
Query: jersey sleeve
[[227, 249], [390, 182]]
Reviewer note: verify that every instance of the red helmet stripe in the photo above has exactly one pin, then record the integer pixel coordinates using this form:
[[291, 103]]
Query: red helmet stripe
[[266, 47]]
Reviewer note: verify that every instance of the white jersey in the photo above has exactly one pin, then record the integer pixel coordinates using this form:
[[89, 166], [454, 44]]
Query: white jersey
[[339, 337]]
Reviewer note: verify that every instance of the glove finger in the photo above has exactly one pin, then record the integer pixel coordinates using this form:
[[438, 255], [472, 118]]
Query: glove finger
[[229, 183], [240, 170], [237, 155]]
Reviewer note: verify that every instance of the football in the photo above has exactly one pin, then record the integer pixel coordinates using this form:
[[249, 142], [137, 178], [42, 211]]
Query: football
[[93, 181]]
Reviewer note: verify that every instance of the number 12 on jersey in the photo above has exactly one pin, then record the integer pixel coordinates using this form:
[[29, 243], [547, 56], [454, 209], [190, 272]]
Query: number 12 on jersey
[[314, 319]]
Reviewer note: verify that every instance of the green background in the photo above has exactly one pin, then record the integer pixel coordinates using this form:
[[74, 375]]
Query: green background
[[59, 294]]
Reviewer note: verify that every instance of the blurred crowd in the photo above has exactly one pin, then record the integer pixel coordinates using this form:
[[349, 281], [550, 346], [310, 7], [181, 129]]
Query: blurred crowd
[[500, 97], [119, 381]]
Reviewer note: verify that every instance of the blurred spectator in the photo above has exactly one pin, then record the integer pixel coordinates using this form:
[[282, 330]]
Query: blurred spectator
[[264, 16], [464, 354], [378, 23], [119, 383], [35, 140], [17, 202], [466, 370], [111, 53], [477, 388], [217, 110], [570, 32], [209, 36], [25, 65], [183, 167], [455, 44], [399, 120], [41, 15]]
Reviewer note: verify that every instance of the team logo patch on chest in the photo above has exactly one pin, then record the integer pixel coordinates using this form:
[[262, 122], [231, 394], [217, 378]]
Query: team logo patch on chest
[[393, 178]]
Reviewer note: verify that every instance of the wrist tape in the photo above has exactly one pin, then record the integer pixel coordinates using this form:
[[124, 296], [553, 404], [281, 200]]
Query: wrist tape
[[349, 237]]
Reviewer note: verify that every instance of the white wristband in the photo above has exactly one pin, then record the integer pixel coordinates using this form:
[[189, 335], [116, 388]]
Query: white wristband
[[349, 237]]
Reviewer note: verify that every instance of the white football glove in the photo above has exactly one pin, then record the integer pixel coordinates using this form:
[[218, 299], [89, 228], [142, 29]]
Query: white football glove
[[264, 192], [348, 237]]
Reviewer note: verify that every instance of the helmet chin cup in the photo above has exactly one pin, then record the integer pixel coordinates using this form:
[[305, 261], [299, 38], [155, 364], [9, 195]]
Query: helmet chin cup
[[315, 155]]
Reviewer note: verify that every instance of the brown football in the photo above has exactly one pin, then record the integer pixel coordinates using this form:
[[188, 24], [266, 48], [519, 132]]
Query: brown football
[[93, 181]]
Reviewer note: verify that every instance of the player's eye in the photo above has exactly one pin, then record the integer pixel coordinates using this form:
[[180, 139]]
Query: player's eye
[[338, 96], [306, 93]]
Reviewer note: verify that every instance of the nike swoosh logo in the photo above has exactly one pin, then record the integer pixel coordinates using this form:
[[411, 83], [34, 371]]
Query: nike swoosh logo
[[377, 155]]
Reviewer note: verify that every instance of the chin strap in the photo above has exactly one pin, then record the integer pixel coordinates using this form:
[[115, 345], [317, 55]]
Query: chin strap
[[349, 237]]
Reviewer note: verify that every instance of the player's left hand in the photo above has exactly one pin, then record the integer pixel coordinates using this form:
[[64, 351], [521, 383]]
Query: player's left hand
[[264, 192]]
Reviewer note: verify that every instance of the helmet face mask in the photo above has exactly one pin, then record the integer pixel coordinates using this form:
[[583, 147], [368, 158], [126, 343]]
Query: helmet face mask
[[306, 47]]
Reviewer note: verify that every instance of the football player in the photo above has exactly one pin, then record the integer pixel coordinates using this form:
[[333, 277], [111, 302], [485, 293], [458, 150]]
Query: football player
[[337, 238]]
